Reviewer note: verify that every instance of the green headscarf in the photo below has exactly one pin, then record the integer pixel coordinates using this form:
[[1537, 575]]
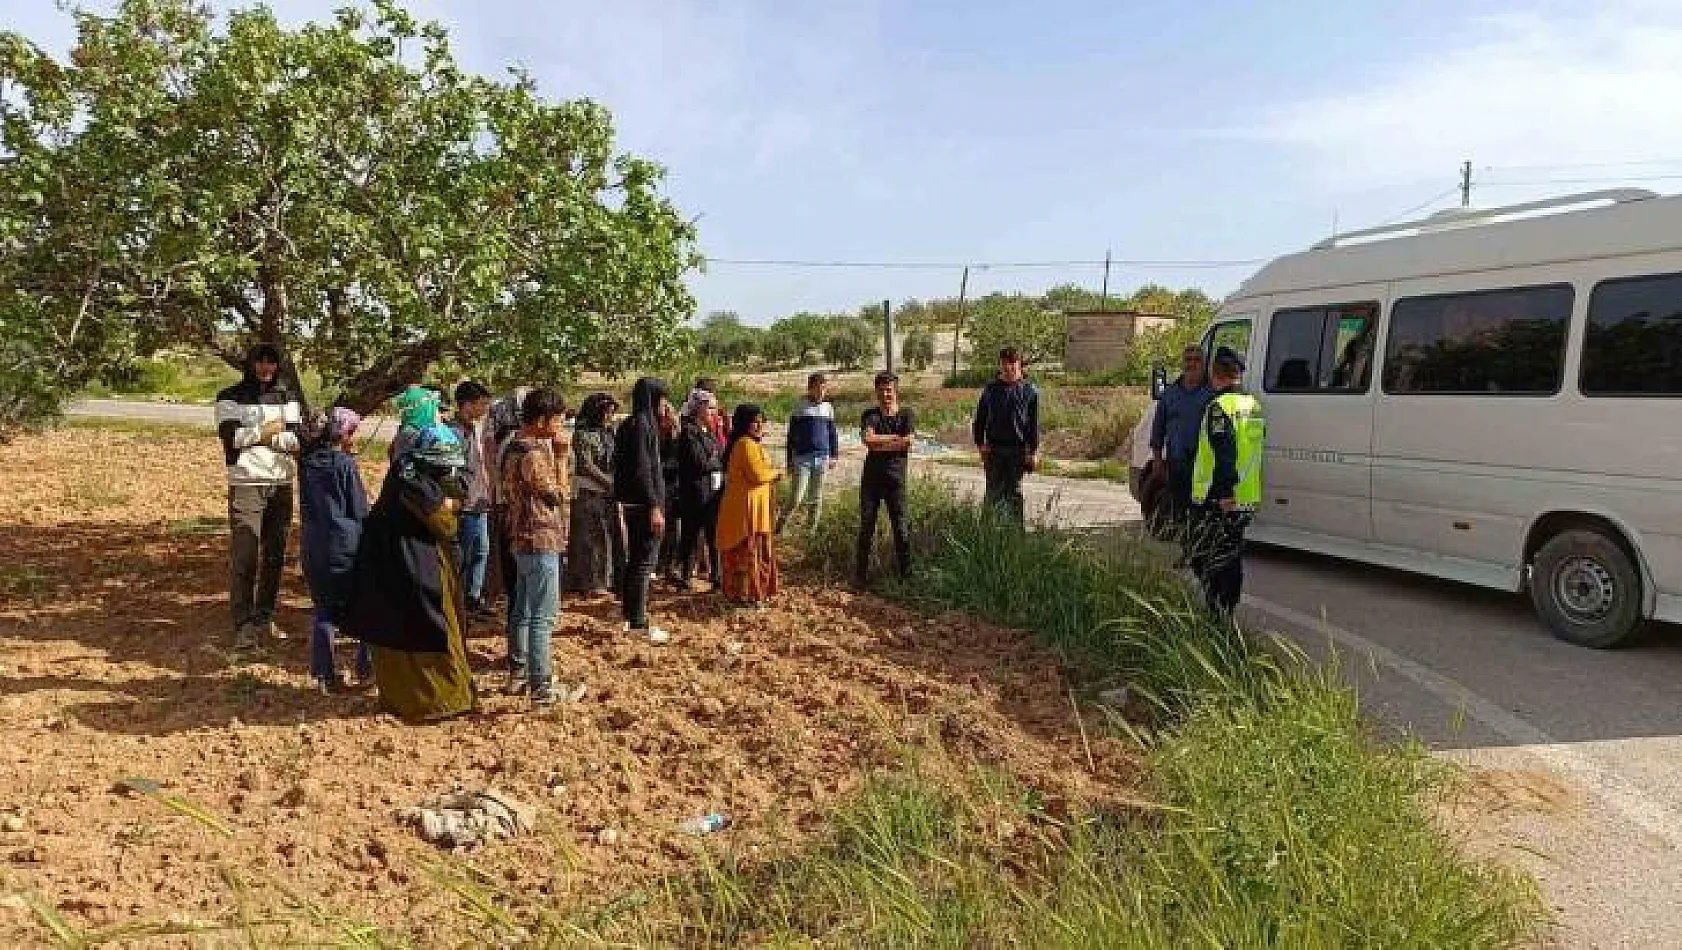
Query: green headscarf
[[417, 408]]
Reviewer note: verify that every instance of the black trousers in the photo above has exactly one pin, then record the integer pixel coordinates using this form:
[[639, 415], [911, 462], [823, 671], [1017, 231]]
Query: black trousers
[[1005, 466], [642, 545], [1217, 555], [259, 517], [1179, 490], [699, 520], [873, 494], [668, 560]]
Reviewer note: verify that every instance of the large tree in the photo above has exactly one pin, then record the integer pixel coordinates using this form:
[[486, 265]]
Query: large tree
[[344, 189]]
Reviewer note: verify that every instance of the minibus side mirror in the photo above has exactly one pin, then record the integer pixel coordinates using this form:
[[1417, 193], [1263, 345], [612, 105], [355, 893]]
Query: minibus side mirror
[[1159, 381]]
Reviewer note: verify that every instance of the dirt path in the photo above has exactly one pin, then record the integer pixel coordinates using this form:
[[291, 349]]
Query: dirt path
[[112, 566]]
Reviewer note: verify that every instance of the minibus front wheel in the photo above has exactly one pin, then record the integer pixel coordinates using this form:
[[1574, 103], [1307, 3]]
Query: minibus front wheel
[[1586, 588]]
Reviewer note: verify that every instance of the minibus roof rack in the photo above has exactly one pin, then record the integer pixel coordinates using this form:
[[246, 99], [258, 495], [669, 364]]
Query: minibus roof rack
[[1466, 217]]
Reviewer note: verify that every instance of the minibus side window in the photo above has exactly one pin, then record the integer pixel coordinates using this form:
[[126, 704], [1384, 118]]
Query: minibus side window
[[1490, 342], [1232, 334], [1633, 346], [1321, 349]]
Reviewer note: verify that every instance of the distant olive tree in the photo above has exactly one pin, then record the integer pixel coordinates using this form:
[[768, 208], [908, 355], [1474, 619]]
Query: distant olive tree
[[917, 349], [1000, 320], [851, 343]]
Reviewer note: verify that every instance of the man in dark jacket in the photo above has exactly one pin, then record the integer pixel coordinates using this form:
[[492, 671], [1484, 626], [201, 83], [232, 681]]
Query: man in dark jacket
[[639, 485], [259, 421], [1006, 430], [473, 541]]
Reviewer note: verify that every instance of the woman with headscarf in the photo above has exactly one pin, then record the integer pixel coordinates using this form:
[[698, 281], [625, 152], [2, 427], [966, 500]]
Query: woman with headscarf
[[417, 411], [666, 564], [639, 485], [746, 521], [596, 541], [700, 473], [407, 602], [333, 502]]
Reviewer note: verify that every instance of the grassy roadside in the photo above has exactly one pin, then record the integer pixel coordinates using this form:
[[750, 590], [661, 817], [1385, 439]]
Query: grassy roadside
[[1276, 819], [1266, 815]]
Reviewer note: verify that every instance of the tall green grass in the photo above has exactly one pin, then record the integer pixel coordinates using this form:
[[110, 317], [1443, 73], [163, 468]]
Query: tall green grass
[[1271, 831], [1278, 820]]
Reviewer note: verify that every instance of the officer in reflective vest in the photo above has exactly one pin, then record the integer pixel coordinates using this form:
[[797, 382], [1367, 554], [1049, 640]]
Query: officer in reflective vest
[[1226, 482]]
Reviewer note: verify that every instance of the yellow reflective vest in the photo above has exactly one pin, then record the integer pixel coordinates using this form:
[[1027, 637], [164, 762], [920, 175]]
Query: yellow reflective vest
[[1241, 412]]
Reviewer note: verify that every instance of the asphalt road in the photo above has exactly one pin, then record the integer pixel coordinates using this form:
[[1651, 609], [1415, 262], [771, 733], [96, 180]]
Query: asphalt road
[[173, 413], [1576, 754]]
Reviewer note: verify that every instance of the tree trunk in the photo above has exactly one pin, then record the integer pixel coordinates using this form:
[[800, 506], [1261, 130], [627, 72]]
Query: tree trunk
[[367, 390]]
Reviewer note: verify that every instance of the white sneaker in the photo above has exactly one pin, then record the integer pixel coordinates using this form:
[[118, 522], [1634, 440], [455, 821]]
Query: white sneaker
[[570, 692], [654, 634]]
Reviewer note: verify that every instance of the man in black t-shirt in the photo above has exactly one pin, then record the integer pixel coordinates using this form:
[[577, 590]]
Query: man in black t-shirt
[[888, 430]]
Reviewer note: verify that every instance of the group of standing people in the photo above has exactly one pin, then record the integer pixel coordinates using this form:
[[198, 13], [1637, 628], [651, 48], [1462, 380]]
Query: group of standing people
[[557, 503], [1207, 441], [587, 504]]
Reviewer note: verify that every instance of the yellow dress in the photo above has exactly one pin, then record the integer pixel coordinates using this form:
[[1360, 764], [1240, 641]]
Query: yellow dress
[[746, 521]]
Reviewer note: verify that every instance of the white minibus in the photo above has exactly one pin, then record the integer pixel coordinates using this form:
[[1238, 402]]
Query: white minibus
[[1489, 396]]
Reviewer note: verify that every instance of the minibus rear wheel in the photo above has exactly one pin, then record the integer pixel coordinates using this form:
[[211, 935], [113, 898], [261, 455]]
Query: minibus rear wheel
[[1586, 588]]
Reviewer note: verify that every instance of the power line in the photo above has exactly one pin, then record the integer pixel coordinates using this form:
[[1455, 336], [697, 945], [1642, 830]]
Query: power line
[[982, 265], [1550, 168], [1585, 181], [1403, 215]]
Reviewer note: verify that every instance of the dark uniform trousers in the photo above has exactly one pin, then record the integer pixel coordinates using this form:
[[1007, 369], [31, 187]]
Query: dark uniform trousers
[[1217, 554]]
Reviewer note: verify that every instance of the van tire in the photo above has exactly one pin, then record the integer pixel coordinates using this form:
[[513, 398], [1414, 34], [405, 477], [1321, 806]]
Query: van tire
[[1586, 588]]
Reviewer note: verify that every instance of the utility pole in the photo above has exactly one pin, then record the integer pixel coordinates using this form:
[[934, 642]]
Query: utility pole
[[1104, 295], [1466, 184], [958, 327], [888, 334]]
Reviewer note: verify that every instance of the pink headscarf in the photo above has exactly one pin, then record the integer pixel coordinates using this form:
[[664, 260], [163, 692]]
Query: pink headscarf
[[342, 422], [697, 399]]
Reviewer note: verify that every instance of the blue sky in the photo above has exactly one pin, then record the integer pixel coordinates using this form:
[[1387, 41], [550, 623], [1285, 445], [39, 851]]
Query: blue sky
[[945, 131]]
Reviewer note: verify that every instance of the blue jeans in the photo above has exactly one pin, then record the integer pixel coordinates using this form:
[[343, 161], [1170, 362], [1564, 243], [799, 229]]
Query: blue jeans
[[807, 472], [322, 666], [536, 603], [473, 545]]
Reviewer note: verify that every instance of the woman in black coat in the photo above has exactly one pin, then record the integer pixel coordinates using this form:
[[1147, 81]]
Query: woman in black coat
[[700, 475]]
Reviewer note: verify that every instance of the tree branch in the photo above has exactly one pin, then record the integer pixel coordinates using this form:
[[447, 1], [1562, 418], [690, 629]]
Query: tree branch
[[389, 374], [248, 313]]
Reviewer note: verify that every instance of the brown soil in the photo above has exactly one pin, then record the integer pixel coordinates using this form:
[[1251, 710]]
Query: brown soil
[[112, 664]]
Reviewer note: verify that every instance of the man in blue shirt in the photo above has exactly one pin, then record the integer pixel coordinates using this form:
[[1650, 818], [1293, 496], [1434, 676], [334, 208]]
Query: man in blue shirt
[[1179, 412]]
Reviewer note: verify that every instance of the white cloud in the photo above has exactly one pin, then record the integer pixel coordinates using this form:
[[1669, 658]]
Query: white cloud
[[1600, 84]]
